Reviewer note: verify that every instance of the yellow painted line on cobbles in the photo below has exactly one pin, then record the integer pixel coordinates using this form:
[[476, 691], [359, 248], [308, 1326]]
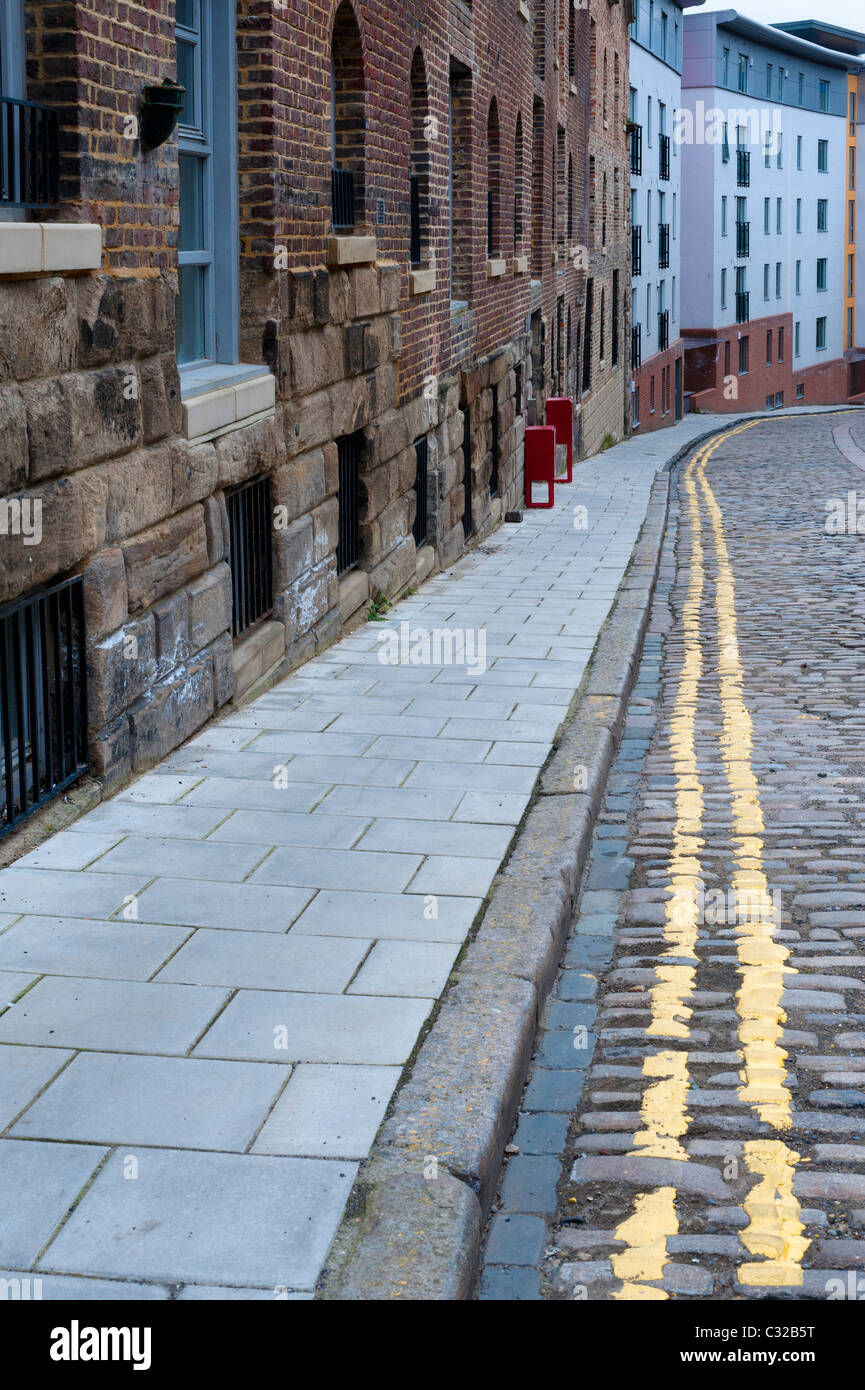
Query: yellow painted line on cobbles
[[664, 1105], [775, 1228]]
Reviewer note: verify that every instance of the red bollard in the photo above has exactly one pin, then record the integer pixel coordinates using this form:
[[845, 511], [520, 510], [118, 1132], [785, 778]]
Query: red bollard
[[540, 465], [560, 414]]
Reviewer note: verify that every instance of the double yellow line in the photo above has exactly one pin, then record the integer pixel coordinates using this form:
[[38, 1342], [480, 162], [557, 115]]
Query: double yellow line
[[775, 1230]]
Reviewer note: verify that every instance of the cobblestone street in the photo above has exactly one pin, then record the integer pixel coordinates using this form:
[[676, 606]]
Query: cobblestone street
[[694, 1123]]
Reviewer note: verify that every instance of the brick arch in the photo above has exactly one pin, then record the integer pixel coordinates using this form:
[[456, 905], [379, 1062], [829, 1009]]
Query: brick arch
[[348, 100]]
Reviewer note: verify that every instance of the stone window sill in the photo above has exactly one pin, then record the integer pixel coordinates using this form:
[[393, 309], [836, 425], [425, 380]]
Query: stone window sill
[[351, 250], [49, 248], [521, 265], [496, 266], [523, 10], [421, 281], [214, 405]]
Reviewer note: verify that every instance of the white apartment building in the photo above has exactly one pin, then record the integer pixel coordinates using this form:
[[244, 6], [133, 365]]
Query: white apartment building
[[764, 152], [657, 355]]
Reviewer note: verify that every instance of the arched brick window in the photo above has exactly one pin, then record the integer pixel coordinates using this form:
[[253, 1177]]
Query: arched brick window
[[519, 176], [494, 180], [419, 162], [538, 122], [348, 119]]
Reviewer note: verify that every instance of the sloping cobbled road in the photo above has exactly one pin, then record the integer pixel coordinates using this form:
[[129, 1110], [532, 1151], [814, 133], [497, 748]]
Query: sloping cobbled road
[[694, 1124]]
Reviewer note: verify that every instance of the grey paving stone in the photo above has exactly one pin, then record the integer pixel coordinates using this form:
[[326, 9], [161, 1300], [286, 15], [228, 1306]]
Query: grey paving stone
[[515, 1240], [417, 969], [437, 837], [39, 1182], [13, 984], [162, 1226], [260, 960], [144, 818], [237, 906], [290, 828], [351, 870], [529, 1184], [111, 1015], [329, 1111], [69, 894], [69, 851], [260, 794], [179, 1102], [76, 946], [194, 859], [453, 874], [268, 1027], [23, 1072], [398, 803], [64, 1288], [407, 916], [493, 808], [214, 1293]]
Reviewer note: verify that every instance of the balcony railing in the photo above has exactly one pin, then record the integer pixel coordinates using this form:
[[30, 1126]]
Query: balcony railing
[[636, 345], [664, 156], [636, 143], [743, 306], [663, 245], [342, 197], [743, 168], [743, 239], [29, 155], [663, 330], [637, 250]]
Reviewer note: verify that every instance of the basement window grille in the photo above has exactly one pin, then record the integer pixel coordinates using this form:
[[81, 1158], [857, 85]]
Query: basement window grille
[[494, 474], [342, 191], [250, 529], [468, 520], [348, 541], [43, 699], [29, 155], [421, 520]]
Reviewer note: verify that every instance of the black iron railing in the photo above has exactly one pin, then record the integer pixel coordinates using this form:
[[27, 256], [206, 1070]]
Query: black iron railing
[[743, 240], [743, 168], [636, 345], [43, 698], [342, 198], [663, 330], [663, 245], [421, 519], [250, 554], [637, 250], [635, 140], [415, 245], [29, 155], [664, 156], [743, 306], [348, 539]]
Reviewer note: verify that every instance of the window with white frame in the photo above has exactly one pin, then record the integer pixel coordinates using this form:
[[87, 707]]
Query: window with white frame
[[207, 304]]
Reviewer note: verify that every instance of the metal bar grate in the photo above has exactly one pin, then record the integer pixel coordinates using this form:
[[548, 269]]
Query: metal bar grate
[[29, 154], [468, 520], [43, 699], [250, 556], [494, 474], [421, 520], [415, 247], [348, 542], [342, 197]]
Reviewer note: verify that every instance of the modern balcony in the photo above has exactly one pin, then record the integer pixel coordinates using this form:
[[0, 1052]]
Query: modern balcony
[[743, 306], [743, 168], [663, 330], [663, 245], [636, 345], [635, 140], [664, 156], [637, 250], [743, 240]]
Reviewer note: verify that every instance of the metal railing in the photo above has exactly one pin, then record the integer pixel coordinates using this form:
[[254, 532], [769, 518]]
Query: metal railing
[[635, 140], [29, 155], [415, 240], [743, 306], [43, 698], [637, 250], [342, 198], [250, 553], [663, 245], [421, 519], [743, 168], [468, 519], [743, 240], [636, 345], [664, 156], [663, 330], [348, 538], [494, 473]]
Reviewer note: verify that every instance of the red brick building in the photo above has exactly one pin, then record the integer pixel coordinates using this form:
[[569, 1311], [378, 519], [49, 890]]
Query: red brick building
[[269, 363]]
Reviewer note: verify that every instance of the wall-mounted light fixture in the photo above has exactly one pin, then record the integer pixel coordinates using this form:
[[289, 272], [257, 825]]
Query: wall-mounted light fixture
[[160, 109]]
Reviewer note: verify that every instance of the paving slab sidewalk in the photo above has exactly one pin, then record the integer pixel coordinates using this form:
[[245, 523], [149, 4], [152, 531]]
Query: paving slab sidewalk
[[210, 985]]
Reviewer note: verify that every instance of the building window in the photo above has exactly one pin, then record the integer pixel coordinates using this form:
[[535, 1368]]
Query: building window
[[780, 344], [822, 268], [767, 214], [207, 302], [460, 184], [768, 79], [723, 289], [725, 68], [767, 150], [851, 173], [419, 157], [850, 328], [347, 119], [421, 522], [777, 279], [823, 156], [766, 280], [536, 190], [798, 277], [821, 334], [726, 357], [798, 151], [250, 553], [725, 145], [800, 391], [769, 402], [797, 339], [744, 355], [769, 337], [798, 214], [824, 94], [779, 149], [743, 72], [851, 221], [494, 183], [801, 89], [348, 542], [779, 399], [779, 215], [519, 175], [723, 216], [822, 214]]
